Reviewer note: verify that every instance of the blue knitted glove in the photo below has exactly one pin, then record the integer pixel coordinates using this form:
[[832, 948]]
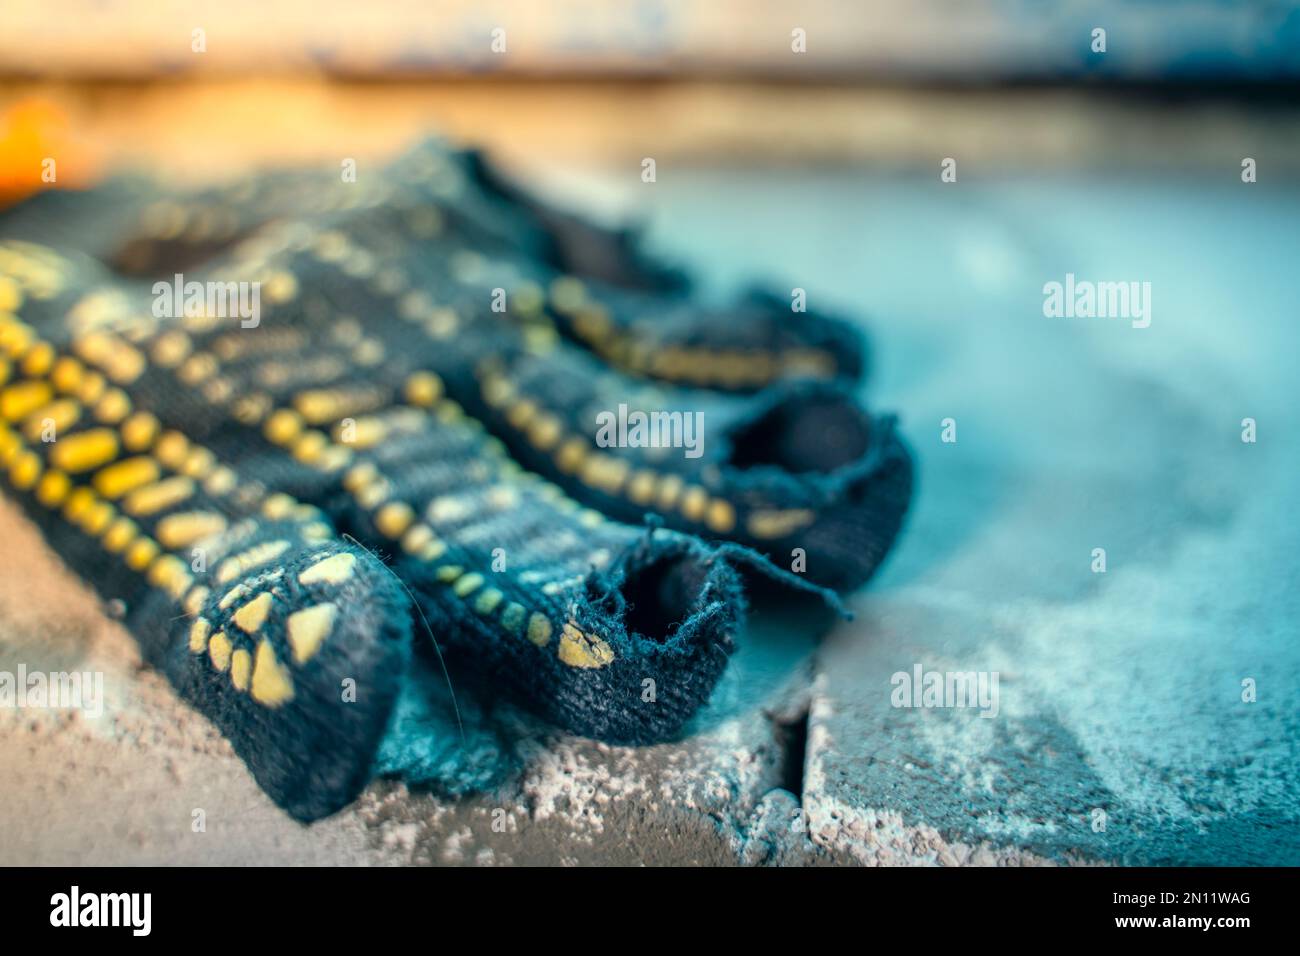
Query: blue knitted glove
[[431, 377]]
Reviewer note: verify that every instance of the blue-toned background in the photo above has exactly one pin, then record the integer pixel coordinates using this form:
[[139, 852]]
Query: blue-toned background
[[1120, 690]]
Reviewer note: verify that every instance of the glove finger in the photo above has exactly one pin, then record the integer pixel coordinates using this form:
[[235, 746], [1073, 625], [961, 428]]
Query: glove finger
[[605, 293], [604, 630], [256, 612]]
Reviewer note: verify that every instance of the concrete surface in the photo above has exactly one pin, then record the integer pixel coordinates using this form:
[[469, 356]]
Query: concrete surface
[[1119, 692]]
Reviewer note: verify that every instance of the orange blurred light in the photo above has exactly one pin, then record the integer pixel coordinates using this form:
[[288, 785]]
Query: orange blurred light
[[38, 151]]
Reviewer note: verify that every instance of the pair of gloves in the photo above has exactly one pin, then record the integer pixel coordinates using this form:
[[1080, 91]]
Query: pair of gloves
[[440, 407]]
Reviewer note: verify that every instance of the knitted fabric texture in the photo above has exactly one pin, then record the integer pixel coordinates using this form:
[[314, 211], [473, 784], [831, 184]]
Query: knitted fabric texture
[[413, 416]]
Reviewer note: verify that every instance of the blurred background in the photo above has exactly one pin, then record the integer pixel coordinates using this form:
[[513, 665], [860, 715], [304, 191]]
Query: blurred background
[[196, 87], [801, 144]]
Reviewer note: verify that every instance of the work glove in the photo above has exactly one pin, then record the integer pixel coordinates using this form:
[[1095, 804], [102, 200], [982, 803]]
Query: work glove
[[427, 410]]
